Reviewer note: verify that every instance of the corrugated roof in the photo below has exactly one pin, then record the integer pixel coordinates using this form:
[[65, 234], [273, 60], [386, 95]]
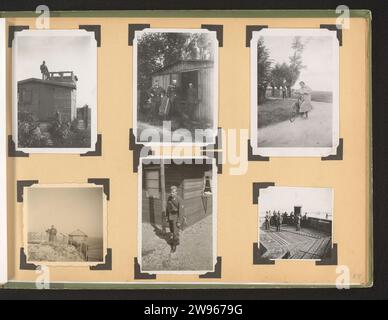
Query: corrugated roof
[[49, 82], [197, 63]]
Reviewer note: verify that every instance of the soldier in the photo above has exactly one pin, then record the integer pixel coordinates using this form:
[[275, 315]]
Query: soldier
[[44, 70], [278, 221], [174, 212], [156, 93], [173, 94], [267, 221], [52, 233], [192, 100], [297, 222], [304, 220]]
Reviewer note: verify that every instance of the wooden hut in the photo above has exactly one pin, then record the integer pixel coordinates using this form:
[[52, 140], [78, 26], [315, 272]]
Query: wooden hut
[[47, 98], [77, 237], [194, 187], [198, 72]]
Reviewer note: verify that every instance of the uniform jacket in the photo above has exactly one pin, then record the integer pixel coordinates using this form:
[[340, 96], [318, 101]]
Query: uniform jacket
[[174, 205]]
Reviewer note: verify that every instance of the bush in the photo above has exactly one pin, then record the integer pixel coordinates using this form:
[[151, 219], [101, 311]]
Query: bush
[[29, 134], [68, 135]]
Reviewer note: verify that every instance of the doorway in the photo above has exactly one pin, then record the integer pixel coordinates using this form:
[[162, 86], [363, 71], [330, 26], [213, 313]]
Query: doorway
[[189, 77]]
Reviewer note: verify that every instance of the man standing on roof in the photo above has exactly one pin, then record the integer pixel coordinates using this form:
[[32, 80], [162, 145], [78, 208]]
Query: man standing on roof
[[44, 71]]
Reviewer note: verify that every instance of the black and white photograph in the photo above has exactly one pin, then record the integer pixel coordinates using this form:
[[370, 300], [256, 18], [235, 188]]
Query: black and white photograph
[[177, 221], [65, 224], [175, 88], [295, 223], [294, 92], [54, 91]]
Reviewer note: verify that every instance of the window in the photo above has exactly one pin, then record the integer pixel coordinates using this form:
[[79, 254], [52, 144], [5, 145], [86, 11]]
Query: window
[[152, 183]]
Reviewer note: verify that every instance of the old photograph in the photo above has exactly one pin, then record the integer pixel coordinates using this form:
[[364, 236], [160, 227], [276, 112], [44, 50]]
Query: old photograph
[[294, 92], [295, 223], [175, 88], [177, 220], [54, 91], [65, 224]]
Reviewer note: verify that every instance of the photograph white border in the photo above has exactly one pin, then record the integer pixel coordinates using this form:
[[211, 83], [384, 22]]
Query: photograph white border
[[140, 213], [3, 159], [104, 217], [216, 88], [57, 33], [271, 188], [292, 151]]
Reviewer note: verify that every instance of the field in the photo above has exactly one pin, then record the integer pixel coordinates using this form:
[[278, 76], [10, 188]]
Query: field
[[322, 96]]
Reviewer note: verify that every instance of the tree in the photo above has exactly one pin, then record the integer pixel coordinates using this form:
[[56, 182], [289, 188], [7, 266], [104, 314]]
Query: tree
[[263, 70], [296, 63], [281, 75]]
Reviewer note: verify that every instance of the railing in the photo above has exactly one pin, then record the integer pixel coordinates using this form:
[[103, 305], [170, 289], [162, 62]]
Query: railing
[[60, 238], [324, 225], [41, 237], [62, 75]]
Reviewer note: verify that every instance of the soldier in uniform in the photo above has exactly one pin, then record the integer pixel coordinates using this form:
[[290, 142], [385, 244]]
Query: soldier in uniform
[[278, 221], [52, 233], [174, 212], [173, 95], [44, 70], [192, 100], [267, 221], [297, 222], [156, 93]]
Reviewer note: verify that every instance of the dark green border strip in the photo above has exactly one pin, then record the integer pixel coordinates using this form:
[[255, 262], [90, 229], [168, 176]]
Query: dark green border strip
[[362, 13], [150, 286]]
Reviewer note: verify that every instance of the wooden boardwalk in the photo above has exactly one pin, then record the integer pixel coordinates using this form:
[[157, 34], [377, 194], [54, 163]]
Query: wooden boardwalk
[[292, 244]]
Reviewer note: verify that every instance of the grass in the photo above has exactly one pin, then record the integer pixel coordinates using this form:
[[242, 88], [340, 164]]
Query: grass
[[277, 110], [274, 111]]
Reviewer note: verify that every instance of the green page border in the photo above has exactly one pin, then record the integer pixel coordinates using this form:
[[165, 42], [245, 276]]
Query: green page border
[[364, 13]]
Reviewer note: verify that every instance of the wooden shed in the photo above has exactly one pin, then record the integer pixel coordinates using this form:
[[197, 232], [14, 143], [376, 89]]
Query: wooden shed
[[194, 187], [47, 98], [198, 72]]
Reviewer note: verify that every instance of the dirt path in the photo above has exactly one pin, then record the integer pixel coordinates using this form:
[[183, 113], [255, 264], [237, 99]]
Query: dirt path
[[193, 253], [316, 131]]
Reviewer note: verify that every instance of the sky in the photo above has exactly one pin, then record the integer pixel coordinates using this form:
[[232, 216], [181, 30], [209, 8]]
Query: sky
[[284, 199], [61, 53], [317, 57], [68, 209]]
